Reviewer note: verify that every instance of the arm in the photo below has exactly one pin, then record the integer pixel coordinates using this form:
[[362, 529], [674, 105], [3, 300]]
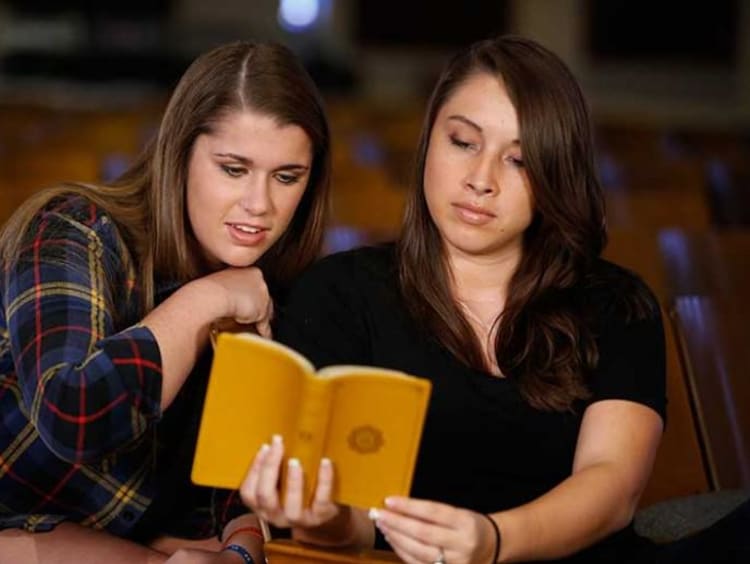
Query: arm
[[614, 455], [87, 388], [239, 293]]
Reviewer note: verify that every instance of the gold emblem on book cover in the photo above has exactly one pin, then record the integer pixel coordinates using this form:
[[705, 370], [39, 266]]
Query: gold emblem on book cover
[[365, 439]]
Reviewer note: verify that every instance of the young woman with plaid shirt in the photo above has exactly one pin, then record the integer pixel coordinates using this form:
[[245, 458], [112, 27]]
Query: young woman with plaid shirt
[[108, 293]]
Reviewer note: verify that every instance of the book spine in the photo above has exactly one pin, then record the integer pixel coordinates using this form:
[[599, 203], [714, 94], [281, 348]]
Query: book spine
[[309, 437]]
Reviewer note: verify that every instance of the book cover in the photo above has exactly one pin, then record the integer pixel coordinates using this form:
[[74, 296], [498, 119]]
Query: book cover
[[367, 420]]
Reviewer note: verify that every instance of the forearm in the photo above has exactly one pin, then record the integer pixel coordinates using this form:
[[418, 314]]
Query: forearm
[[583, 509], [350, 528], [181, 328], [70, 542]]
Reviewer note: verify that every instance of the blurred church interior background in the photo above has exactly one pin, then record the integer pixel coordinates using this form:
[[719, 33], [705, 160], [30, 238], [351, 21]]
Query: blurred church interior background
[[82, 85]]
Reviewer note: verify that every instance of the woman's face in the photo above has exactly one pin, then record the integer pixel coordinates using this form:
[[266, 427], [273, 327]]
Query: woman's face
[[475, 184], [245, 180]]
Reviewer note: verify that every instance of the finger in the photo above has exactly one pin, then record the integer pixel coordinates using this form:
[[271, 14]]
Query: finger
[[268, 479], [432, 511], [263, 327], [324, 487], [409, 549], [250, 483], [422, 531], [294, 495]]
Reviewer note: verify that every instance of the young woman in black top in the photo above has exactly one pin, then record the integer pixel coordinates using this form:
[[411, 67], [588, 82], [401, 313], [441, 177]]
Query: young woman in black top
[[547, 362]]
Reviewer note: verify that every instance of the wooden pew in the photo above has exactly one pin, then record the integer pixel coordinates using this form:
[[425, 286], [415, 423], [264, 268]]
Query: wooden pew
[[712, 263], [712, 335], [290, 552], [679, 468], [669, 194], [25, 172]]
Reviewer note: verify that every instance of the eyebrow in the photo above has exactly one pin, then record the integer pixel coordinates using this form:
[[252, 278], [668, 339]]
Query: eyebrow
[[249, 162], [474, 125], [467, 121]]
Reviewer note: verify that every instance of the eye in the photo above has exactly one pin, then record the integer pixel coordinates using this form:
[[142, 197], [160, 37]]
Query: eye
[[287, 178], [516, 161], [461, 144], [233, 171]]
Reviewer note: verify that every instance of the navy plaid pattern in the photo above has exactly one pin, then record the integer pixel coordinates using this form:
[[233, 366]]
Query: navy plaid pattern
[[80, 381]]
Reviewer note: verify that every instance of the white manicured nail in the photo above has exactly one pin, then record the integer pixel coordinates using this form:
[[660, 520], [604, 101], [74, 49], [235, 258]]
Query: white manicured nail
[[277, 439], [294, 463], [373, 514]]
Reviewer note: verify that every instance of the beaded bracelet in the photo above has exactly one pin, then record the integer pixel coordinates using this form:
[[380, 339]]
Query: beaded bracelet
[[242, 551], [497, 537]]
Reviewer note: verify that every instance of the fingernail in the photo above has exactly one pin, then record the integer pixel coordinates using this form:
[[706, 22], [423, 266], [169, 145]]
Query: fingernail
[[277, 439], [390, 501], [325, 462], [373, 514], [264, 447], [294, 463]]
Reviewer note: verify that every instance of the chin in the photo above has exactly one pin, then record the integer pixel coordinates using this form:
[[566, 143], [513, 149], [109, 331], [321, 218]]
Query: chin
[[241, 260]]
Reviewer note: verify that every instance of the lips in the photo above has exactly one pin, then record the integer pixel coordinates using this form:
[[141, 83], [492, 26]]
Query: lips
[[474, 209], [474, 216], [247, 235], [249, 229]]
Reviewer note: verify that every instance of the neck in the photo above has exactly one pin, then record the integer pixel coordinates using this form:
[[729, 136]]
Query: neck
[[480, 279]]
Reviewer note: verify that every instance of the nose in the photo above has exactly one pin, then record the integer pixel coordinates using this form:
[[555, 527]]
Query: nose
[[256, 199], [479, 186], [480, 179]]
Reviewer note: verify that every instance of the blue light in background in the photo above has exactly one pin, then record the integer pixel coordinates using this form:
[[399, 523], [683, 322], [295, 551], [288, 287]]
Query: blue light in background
[[298, 15]]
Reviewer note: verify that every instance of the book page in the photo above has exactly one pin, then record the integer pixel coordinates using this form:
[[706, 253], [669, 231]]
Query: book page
[[255, 390], [373, 434]]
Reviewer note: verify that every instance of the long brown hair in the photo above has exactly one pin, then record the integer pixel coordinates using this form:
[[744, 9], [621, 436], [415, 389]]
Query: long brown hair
[[148, 201], [542, 339]]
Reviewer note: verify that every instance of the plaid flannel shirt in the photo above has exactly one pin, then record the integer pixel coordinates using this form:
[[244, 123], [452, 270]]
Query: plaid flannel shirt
[[80, 380]]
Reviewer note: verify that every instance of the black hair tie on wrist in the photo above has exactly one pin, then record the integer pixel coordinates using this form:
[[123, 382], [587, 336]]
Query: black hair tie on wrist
[[497, 537]]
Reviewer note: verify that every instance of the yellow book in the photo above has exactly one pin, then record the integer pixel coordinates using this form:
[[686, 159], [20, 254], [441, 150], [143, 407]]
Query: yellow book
[[367, 420]]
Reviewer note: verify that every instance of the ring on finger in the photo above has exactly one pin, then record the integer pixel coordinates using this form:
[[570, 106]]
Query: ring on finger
[[440, 558]]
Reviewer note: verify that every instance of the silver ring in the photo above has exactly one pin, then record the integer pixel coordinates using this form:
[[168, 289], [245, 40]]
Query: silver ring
[[440, 558]]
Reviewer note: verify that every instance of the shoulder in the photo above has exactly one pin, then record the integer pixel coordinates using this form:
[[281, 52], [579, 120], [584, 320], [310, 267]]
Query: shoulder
[[74, 209], [71, 214], [612, 292], [355, 280], [361, 266], [70, 228], [627, 325]]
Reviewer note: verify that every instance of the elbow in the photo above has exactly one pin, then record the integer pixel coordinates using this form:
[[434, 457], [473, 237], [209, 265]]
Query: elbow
[[80, 431], [67, 443], [625, 512], [69, 452]]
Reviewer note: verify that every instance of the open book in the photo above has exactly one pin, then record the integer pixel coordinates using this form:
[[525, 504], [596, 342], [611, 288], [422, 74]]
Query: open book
[[367, 420]]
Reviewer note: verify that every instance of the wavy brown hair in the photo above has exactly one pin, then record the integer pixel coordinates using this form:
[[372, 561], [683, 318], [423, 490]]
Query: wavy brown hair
[[148, 201], [543, 339]]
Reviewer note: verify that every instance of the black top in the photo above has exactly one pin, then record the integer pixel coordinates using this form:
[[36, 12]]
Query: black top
[[483, 447]]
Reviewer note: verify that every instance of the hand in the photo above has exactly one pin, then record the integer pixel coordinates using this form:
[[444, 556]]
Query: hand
[[422, 531], [259, 491], [247, 297]]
